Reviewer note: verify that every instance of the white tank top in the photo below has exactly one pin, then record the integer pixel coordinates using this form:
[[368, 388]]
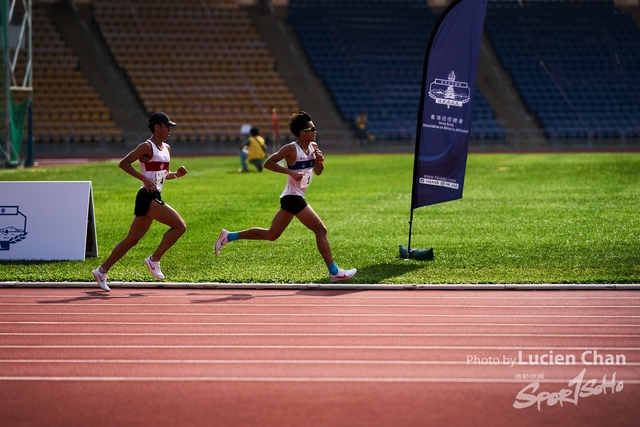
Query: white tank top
[[157, 167], [304, 163]]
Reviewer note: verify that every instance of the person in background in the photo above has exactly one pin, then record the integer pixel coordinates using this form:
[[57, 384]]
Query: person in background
[[154, 156], [361, 128], [243, 153], [254, 151], [303, 159]]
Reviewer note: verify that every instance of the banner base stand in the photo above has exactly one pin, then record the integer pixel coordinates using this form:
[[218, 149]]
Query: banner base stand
[[417, 254]]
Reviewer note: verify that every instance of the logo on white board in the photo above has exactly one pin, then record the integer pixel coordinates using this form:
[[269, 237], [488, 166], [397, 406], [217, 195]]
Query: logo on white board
[[13, 226]]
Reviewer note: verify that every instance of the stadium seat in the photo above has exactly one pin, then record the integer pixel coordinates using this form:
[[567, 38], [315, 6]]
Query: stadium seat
[[64, 103], [207, 55], [573, 61], [370, 56]]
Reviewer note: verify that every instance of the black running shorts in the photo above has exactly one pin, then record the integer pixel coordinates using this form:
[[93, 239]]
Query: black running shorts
[[293, 204], [144, 199]]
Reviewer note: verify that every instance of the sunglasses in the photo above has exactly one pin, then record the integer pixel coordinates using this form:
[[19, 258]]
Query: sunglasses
[[312, 129]]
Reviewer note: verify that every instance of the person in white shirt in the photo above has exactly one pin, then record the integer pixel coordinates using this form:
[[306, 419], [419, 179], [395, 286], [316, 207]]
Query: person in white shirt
[[303, 159]]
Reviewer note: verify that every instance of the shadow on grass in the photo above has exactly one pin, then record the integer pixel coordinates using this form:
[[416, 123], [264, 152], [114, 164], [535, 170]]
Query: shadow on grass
[[379, 273]]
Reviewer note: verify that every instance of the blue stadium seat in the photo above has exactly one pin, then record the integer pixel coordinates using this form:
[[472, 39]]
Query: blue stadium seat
[[370, 55], [575, 63]]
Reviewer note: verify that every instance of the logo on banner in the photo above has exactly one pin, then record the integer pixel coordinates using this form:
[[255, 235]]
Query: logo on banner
[[450, 92], [13, 226]]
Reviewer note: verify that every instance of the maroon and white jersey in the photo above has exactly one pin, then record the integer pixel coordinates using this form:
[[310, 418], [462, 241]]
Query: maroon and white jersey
[[157, 167]]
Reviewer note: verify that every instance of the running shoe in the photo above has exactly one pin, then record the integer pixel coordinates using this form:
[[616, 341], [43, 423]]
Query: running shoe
[[101, 278], [154, 268], [222, 240], [342, 275]]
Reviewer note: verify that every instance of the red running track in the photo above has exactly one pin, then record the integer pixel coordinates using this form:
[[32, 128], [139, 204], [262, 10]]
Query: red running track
[[187, 357]]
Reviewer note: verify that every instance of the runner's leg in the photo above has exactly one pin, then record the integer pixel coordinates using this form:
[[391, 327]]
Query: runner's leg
[[165, 214], [138, 229], [312, 221], [280, 221]]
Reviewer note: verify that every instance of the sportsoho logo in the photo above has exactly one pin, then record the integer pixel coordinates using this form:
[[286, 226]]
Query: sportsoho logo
[[579, 387]]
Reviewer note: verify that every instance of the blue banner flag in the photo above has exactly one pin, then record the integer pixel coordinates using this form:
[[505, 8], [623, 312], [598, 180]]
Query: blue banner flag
[[446, 103]]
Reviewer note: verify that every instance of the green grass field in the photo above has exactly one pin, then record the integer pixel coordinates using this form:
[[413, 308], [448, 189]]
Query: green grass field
[[524, 218]]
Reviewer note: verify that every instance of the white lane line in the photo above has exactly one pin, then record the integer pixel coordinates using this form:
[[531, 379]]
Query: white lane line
[[165, 314], [248, 361], [536, 325], [279, 305], [229, 297], [299, 379], [281, 361], [305, 334], [340, 287], [315, 347]]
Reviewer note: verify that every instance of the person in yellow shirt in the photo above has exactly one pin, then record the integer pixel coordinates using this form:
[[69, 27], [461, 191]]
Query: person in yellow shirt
[[255, 149]]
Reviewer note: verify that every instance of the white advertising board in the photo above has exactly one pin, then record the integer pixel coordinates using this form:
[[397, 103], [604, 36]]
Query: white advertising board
[[47, 220]]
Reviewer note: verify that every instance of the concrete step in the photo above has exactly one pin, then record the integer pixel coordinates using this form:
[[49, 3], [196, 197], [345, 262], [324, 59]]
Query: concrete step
[[77, 27], [295, 68], [498, 88]]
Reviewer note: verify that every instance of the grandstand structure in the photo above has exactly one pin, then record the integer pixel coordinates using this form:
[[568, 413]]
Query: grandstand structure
[[371, 55], [573, 66], [66, 108], [201, 61], [576, 64], [16, 95]]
